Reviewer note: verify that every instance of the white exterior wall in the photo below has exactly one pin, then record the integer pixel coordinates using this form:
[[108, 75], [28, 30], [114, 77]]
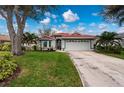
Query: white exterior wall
[[73, 45], [47, 44], [62, 44], [42, 44], [92, 44], [53, 43]]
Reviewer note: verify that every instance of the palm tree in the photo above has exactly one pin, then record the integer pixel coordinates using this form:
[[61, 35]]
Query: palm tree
[[108, 42], [33, 38], [29, 38], [114, 13]]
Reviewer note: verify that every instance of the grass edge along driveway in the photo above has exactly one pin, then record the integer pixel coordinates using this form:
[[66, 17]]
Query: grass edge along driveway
[[46, 69], [121, 55]]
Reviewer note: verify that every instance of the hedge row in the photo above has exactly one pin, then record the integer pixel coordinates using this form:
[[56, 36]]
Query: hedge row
[[5, 47], [7, 65]]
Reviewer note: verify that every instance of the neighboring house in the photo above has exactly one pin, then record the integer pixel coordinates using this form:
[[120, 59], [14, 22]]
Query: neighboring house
[[66, 41], [121, 35], [4, 39]]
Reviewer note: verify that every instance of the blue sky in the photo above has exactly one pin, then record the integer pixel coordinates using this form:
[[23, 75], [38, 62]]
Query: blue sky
[[80, 18]]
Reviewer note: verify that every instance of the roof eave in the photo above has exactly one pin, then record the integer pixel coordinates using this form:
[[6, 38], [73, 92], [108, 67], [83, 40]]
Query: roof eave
[[78, 37]]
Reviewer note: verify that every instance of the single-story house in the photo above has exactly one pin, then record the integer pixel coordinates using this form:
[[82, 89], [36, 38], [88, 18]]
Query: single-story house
[[4, 39], [67, 41]]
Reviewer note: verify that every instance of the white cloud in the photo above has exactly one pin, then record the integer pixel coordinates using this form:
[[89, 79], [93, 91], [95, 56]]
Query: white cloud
[[45, 21], [114, 24], [53, 16], [103, 27], [55, 30], [54, 26], [94, 14], [79, 29], [121, 30], [69, 16], [93, 24], [63, 26], [27, 28], [48, 14], [26, 25], [90, 31]]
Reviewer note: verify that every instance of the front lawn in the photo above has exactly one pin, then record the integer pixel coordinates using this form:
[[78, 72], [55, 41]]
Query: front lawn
[[44, 69]]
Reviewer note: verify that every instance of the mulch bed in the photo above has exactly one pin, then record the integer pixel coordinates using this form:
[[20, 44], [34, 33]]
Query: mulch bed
[[6, 81]]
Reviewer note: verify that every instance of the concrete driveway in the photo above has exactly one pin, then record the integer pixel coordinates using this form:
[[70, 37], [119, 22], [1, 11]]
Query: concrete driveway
[[97, 70]]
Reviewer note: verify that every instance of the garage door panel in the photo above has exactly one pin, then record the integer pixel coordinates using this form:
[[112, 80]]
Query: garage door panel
[[77, 46]]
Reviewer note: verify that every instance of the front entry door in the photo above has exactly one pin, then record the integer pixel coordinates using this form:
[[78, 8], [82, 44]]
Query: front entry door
[[58, 44]]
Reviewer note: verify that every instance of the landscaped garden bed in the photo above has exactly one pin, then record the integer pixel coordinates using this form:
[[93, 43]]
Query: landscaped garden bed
[[8, 68]]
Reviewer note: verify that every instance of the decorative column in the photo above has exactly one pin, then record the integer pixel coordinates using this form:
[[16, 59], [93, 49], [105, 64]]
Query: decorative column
[[47, 44]]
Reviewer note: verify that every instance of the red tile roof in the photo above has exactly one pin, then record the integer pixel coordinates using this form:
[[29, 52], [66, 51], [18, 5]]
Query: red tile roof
[[4, 38], [68, 35], [76, 35], [45, 37], [61, 34]]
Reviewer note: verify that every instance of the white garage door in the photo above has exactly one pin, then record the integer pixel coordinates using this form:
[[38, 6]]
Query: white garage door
[[77, 45]]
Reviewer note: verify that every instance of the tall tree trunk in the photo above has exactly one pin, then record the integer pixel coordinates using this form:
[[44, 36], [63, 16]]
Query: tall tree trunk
[[15, 41], [16, 36], [18, 41], [12, 37], [18, 47], [13, 45]]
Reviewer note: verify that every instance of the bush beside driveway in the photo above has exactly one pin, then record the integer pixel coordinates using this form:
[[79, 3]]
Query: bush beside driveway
[[121, 55]]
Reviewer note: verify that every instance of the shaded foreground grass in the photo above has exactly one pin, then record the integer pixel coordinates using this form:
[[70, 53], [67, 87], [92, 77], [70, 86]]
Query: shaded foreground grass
[[45, 69]]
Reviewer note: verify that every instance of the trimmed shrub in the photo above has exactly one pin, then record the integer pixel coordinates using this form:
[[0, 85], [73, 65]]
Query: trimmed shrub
[[6, 47], [7, 65], [109, 49], [1, 46]]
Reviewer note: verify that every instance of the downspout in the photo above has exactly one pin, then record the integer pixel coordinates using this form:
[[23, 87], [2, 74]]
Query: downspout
[[64, 44], [90, 45]]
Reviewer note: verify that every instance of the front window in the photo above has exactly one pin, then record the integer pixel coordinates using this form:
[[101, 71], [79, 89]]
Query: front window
[[49, 43], [45, 44]]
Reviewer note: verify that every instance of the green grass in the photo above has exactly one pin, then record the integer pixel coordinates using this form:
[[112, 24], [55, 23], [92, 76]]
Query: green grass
[[45, 69], [121, 56]]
